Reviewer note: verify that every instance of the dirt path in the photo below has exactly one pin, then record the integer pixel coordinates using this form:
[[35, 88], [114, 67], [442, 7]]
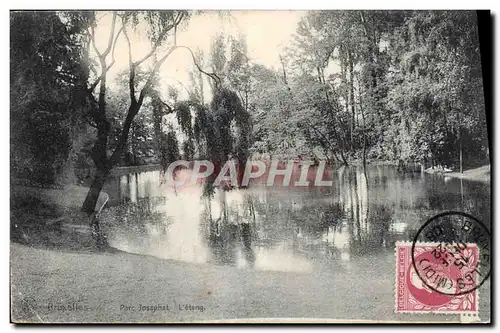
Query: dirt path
[[53, 286]]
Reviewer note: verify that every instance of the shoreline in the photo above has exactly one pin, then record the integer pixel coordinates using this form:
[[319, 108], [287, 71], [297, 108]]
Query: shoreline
[[480, 174]]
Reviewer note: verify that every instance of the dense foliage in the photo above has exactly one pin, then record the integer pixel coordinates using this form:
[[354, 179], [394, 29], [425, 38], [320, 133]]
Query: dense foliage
[[46, 71], [353, 86], [398, 86]]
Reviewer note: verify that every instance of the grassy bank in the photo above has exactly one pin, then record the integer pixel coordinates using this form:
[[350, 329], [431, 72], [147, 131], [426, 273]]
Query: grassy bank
[[105, 287], [481, 174], [50, 218], [67, 198]]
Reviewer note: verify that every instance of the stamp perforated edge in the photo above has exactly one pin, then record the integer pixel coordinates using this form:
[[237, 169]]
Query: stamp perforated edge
[[462, 313]]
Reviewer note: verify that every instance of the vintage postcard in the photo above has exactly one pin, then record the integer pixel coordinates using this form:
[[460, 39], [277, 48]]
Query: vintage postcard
[[181, 166]]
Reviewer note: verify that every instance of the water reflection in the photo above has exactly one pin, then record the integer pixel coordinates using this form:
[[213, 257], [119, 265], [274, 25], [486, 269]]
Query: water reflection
[[283, 229]]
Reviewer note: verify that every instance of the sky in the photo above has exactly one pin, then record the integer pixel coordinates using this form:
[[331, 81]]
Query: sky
[[266, 32]]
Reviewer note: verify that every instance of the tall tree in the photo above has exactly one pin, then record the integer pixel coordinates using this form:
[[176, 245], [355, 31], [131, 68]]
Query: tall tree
[[160, 26], [46, 71]]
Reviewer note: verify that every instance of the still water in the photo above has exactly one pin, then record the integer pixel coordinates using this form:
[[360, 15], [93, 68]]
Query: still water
[[281, 228]]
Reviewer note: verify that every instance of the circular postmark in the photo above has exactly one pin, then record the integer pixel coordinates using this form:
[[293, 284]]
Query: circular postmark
[[451, 253]]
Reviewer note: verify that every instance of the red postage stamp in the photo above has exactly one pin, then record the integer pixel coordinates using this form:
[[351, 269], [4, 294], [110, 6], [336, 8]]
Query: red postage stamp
[[442, 279]]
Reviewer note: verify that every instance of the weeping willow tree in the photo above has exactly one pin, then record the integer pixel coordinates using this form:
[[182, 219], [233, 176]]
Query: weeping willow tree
[[219, 131]]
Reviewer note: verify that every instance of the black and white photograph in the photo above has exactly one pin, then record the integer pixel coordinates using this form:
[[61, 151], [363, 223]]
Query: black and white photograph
[[250, 166]]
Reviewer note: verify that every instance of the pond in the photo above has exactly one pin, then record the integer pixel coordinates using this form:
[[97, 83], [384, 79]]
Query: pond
[[278, 228]]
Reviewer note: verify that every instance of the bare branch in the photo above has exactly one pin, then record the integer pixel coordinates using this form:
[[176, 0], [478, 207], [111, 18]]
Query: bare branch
[[102, 56], [179, 82], [153, 49], [91, 98], [93, 85], [170, 109], [92, 33], [114, 47], [133, 65], [87, 54], [212, 75], [160, 39], [322, 135], [131, 83], [153, 72], [94, 46], [128, 44], [111, 35], [92, 68], [284, 70], [157, 66]]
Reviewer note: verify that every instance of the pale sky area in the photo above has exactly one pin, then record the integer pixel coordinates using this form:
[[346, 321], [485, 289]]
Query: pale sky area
[[267, 32]]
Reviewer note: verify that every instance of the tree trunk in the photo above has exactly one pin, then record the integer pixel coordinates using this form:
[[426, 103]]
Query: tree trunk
[[364, 130], [344, 161], [460, 141], [157, 122], [95, 189], [285, 81], [340, 139], [344, 60], [461, 159], [103, 164], [364, 151], [364, 139], [351, 95], [373, 54], [336, 158]]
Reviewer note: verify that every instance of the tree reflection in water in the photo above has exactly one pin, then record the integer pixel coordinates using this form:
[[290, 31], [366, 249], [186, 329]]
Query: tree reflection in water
[[284, 228], [134, 224], [230, 234]]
